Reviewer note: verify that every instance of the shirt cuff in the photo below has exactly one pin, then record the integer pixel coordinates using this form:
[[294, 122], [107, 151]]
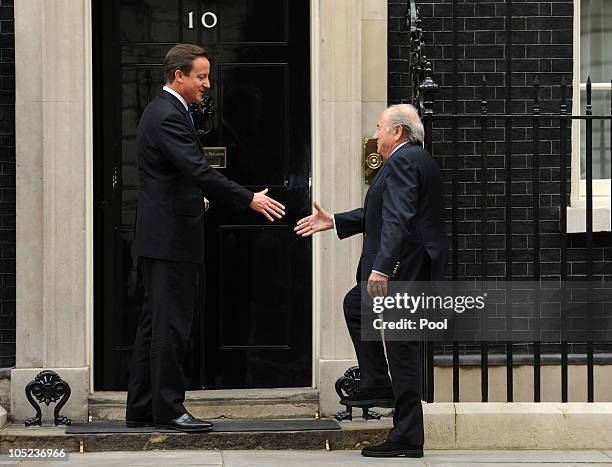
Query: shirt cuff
[[378, 272], [334, 221]]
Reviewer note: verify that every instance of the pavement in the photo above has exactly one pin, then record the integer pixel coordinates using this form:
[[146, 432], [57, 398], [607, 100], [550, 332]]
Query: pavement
[[287, 458]]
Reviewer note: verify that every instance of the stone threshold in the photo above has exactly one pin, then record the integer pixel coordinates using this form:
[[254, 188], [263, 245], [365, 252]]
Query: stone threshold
[[353, 435], [493, 425], [222, 403]]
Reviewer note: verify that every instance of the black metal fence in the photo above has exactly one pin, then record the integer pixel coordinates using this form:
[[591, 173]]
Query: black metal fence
[[483, 124]]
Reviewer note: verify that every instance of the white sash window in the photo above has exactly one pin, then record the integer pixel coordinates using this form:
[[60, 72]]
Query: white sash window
[[592, 57]]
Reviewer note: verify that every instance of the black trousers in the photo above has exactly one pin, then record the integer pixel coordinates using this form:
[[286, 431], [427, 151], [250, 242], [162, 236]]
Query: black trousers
[[404, 362], [156, 389]]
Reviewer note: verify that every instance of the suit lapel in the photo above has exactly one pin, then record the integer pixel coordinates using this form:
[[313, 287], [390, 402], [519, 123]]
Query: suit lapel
[[379, 176], [179, 106]]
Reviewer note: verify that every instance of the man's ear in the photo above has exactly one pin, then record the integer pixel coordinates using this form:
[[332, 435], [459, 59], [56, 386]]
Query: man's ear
[[178, 76], [398, 132]]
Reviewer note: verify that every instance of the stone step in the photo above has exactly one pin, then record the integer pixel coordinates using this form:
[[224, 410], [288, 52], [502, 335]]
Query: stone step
[[222, 403], [352, 435], [493, 425]]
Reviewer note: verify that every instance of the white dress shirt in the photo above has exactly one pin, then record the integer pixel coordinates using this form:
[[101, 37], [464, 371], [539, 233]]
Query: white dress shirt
[[177, 95]]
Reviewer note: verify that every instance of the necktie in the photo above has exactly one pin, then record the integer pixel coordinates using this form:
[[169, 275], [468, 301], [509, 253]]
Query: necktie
[[191, 117]]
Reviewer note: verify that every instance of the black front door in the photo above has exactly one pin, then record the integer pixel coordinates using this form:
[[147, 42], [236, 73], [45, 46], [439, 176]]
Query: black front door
[[252, 326]]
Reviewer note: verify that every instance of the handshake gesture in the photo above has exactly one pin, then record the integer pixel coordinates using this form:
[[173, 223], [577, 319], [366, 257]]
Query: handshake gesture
[[320, 221], [267, 206]]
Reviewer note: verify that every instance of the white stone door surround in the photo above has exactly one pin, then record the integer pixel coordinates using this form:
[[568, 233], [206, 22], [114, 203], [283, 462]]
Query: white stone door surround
[[54, 144]]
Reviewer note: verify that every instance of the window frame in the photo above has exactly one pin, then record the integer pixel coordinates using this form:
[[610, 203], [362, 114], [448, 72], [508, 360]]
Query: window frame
[[601, 187]]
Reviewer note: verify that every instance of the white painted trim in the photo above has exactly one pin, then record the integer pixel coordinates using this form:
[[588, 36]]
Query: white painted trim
[[315, 155], [89, 198], [596, 86], [601, 187], [576, 217], [575, 158]]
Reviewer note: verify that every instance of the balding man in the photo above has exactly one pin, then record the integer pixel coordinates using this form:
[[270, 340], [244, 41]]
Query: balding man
[[402, 223]]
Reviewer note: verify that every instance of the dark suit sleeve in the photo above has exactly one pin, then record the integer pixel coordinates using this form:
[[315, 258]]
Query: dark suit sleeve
[[349, 223], [176, 143], [399, 209]]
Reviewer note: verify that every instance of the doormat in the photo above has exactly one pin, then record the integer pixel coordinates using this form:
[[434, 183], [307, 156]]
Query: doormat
[[221, 425]]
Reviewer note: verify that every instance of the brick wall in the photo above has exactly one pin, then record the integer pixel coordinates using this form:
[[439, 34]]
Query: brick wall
[[7, 185], [542, 46]]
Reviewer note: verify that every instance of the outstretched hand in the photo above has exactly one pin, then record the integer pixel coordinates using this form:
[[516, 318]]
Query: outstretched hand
[[267, 206], [318, 222]]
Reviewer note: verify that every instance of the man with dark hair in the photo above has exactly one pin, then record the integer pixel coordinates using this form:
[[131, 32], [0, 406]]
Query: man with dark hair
[[181, 57], [402, 223], [173, 178]]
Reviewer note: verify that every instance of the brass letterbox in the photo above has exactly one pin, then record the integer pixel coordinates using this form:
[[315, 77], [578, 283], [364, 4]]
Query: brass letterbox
[[216, 156]]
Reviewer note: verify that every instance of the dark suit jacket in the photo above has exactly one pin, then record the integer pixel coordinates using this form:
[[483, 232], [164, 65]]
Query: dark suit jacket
[[174, 176], [402, 219]]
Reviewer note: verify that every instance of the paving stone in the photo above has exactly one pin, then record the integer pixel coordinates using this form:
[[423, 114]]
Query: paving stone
[[348, 458], [517, 456], [302, 458], [514, 464], [148, 458]]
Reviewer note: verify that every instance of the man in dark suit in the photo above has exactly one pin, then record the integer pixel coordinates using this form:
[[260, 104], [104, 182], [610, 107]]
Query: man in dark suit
[[402, 222], [173, 178]]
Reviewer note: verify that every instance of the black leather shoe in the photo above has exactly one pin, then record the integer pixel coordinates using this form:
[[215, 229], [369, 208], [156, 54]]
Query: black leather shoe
[[391, 449], [374, 397], [138, 423], [189, 423]]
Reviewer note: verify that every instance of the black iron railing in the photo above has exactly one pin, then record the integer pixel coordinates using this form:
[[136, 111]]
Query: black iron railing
[[487, 121]]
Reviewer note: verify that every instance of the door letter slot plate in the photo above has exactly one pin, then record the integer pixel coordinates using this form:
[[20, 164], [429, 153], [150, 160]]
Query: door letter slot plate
[[217, 156]]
